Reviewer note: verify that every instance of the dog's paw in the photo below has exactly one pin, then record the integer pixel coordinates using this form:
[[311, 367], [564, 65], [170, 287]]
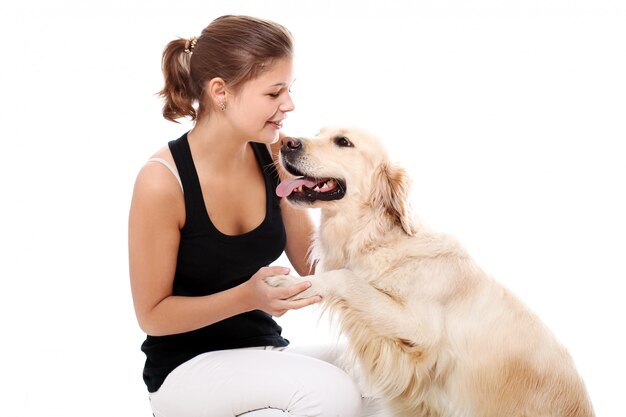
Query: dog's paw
[[288, 280], [281, 280]]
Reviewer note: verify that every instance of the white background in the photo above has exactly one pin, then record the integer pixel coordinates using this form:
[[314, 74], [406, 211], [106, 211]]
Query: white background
[[509, 116]]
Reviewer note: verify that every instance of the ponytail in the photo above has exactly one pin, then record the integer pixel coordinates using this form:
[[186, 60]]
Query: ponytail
[[179, 99]]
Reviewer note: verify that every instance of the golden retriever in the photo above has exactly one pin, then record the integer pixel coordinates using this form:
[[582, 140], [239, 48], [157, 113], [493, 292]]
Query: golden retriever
[[432, 333]]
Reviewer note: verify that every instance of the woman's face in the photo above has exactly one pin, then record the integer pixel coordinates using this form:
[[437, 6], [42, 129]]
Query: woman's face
[[260, 106]]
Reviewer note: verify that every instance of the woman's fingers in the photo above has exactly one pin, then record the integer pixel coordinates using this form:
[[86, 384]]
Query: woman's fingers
[[304, 302], [297, 288], [282, 289]]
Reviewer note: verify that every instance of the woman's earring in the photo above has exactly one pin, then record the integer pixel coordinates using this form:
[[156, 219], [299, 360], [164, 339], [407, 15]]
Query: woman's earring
[[222, 105]]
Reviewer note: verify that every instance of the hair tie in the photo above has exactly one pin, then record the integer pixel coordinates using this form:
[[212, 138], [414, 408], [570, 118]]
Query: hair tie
[[190, 44]]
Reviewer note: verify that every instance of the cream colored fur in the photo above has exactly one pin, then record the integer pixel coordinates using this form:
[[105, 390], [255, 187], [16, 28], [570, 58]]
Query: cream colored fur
[[431, 331]]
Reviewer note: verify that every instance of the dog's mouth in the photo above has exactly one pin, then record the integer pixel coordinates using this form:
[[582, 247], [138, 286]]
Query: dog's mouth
[[310, 189]]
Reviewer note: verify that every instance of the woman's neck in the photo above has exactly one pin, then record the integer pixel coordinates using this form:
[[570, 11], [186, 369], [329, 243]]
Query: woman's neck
[[214, 144]]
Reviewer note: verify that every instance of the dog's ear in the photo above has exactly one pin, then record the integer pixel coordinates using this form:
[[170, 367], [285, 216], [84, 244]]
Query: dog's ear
[[390, 194]]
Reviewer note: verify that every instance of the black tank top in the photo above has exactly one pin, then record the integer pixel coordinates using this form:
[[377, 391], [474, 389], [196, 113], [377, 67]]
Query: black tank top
[[210, 261]]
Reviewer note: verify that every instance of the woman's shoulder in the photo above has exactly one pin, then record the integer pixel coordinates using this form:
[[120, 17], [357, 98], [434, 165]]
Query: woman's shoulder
[[158, 176], [163, 153], [157, 192]]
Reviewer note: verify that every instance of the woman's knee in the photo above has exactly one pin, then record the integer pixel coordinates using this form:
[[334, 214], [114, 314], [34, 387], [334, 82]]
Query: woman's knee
[[303, 386], [335, 390]]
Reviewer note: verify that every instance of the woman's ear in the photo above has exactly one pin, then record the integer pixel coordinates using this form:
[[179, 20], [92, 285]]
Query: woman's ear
[[390, 194], [217, 92]]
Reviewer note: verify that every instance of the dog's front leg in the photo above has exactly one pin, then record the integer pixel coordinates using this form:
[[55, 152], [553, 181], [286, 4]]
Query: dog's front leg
[[414, 326], [325, 284], [373, 307], [385, 330], [365, 301]]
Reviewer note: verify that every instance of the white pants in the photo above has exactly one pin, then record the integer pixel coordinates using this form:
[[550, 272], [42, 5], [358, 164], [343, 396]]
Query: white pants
[[263, 382]]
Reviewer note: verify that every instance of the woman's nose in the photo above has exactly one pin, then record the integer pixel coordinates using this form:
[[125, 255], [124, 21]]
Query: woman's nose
[[287, 105]]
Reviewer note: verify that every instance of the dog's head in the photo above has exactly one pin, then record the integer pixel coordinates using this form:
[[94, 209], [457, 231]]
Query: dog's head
[[343, 168]]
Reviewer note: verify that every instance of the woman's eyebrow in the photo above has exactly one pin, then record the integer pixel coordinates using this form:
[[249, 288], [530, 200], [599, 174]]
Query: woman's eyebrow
[[283, 84]]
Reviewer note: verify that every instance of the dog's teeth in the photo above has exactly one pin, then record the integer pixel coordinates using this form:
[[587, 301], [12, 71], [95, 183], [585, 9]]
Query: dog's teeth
[[320, 186], [328, 184]]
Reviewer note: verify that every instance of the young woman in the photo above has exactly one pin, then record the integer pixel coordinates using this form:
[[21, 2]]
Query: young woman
[[205, 224]]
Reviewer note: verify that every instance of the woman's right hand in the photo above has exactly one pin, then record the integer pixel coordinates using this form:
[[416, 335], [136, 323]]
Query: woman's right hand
[[275, 300]]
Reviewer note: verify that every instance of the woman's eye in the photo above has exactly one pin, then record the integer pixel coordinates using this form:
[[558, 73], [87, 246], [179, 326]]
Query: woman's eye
[[343, 142], [274, 95]]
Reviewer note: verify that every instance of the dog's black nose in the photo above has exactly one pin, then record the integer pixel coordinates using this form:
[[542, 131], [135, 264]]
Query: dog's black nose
[[290, 144]]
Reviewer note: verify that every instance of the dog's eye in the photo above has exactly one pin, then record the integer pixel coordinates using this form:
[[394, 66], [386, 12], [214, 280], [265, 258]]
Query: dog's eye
[[343, 142]]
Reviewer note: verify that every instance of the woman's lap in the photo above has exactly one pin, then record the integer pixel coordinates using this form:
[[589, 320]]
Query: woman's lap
[[291, 382]]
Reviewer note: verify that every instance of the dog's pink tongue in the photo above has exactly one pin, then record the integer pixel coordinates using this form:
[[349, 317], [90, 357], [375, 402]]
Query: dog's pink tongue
[[286, 187]]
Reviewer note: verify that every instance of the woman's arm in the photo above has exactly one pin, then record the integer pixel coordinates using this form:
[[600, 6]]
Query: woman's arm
[[156, 215], [300, 230]]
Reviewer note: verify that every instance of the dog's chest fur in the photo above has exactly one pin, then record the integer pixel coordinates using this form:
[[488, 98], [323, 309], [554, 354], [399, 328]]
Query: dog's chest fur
[[344, 240]]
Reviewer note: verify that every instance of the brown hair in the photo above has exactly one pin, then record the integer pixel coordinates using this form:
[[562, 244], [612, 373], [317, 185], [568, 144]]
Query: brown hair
[[234, 48]]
